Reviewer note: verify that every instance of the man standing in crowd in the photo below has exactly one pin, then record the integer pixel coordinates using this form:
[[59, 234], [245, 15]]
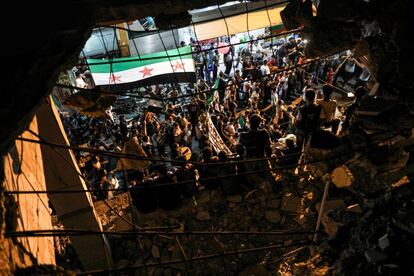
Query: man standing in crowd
[[216, 61], [328, 108], [199, 62], [257, 144], [79, 80], [221, 88], [307, 120], [360, 93]]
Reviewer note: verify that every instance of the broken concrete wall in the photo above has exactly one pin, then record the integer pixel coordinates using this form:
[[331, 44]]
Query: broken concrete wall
[[74, 210], [24, 171], [381, 26]]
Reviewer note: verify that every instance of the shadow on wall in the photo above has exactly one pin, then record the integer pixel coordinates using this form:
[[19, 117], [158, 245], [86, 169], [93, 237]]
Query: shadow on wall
[[17, 165]]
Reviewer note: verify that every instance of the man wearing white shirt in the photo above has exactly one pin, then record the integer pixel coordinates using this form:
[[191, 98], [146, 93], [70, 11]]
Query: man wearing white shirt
[[265, 69], [79, 81], [256, 50]]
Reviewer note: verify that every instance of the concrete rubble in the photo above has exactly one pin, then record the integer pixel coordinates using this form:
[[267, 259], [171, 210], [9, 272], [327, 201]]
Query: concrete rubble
[[256, 211]]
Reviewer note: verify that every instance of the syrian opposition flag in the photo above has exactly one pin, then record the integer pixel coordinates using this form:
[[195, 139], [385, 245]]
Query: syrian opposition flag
[[213, 90], [160, 67]]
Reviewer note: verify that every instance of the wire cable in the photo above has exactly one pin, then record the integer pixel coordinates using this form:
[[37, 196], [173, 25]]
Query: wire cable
[[133, 40], [193, 52], [168, 56], [270, 26], [281, 168], [324, 82], [182, 62], [111, 74], [137, 157], [149, 231], [145, 32], [200, 258], [97, 90], [87, 182], [247, 19], [229, 39]]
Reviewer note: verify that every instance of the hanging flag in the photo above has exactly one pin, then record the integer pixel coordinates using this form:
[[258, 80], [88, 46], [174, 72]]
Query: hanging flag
[[215, 138], [160, 67], [241, 122], [213, 90], [277, 29]]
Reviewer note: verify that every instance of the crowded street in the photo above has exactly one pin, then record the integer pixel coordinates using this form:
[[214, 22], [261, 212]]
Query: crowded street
[[258, 100]]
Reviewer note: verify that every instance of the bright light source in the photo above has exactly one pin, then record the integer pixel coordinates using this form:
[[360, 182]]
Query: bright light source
[[305, 41]]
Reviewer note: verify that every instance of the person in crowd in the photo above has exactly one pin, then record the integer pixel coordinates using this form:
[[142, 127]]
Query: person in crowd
[[257, 143], [330, 76], [244, 53], [359, 93], [123, 128], [251, 110], [257, 139], [209, 170], [256, 50], [247, 69], [244, 94], [290, 154], [230, 184], [79, 80], [257, 72], [292, 52], [221, 88], [143, 193], [98, 178], [169, 196], [216, 64], [308, 119], [328, 108], [187, 175], [202, 90], [264, 68], [199, 62], [193, 110], [228, 61]]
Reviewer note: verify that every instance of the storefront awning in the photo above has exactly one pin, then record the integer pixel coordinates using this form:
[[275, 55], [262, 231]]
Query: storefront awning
[[239, 23]]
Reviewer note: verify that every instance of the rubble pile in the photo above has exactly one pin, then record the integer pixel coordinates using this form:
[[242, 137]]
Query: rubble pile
[[377, 29], [378, 241], [367, 218], [66, 256], [260, 210], [366, 222]]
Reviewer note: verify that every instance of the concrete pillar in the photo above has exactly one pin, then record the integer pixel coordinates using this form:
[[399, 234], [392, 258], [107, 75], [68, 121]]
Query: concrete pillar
[[75, 211]]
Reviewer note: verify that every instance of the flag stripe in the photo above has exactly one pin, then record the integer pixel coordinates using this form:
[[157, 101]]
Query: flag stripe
[[143, 72]]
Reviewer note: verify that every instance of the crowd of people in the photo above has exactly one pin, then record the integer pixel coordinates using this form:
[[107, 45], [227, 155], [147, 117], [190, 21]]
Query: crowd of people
[[267, 102]]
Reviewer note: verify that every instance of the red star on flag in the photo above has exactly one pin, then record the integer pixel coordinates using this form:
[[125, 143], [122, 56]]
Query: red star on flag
[[178, 65], [146, 72], [114, 79]]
